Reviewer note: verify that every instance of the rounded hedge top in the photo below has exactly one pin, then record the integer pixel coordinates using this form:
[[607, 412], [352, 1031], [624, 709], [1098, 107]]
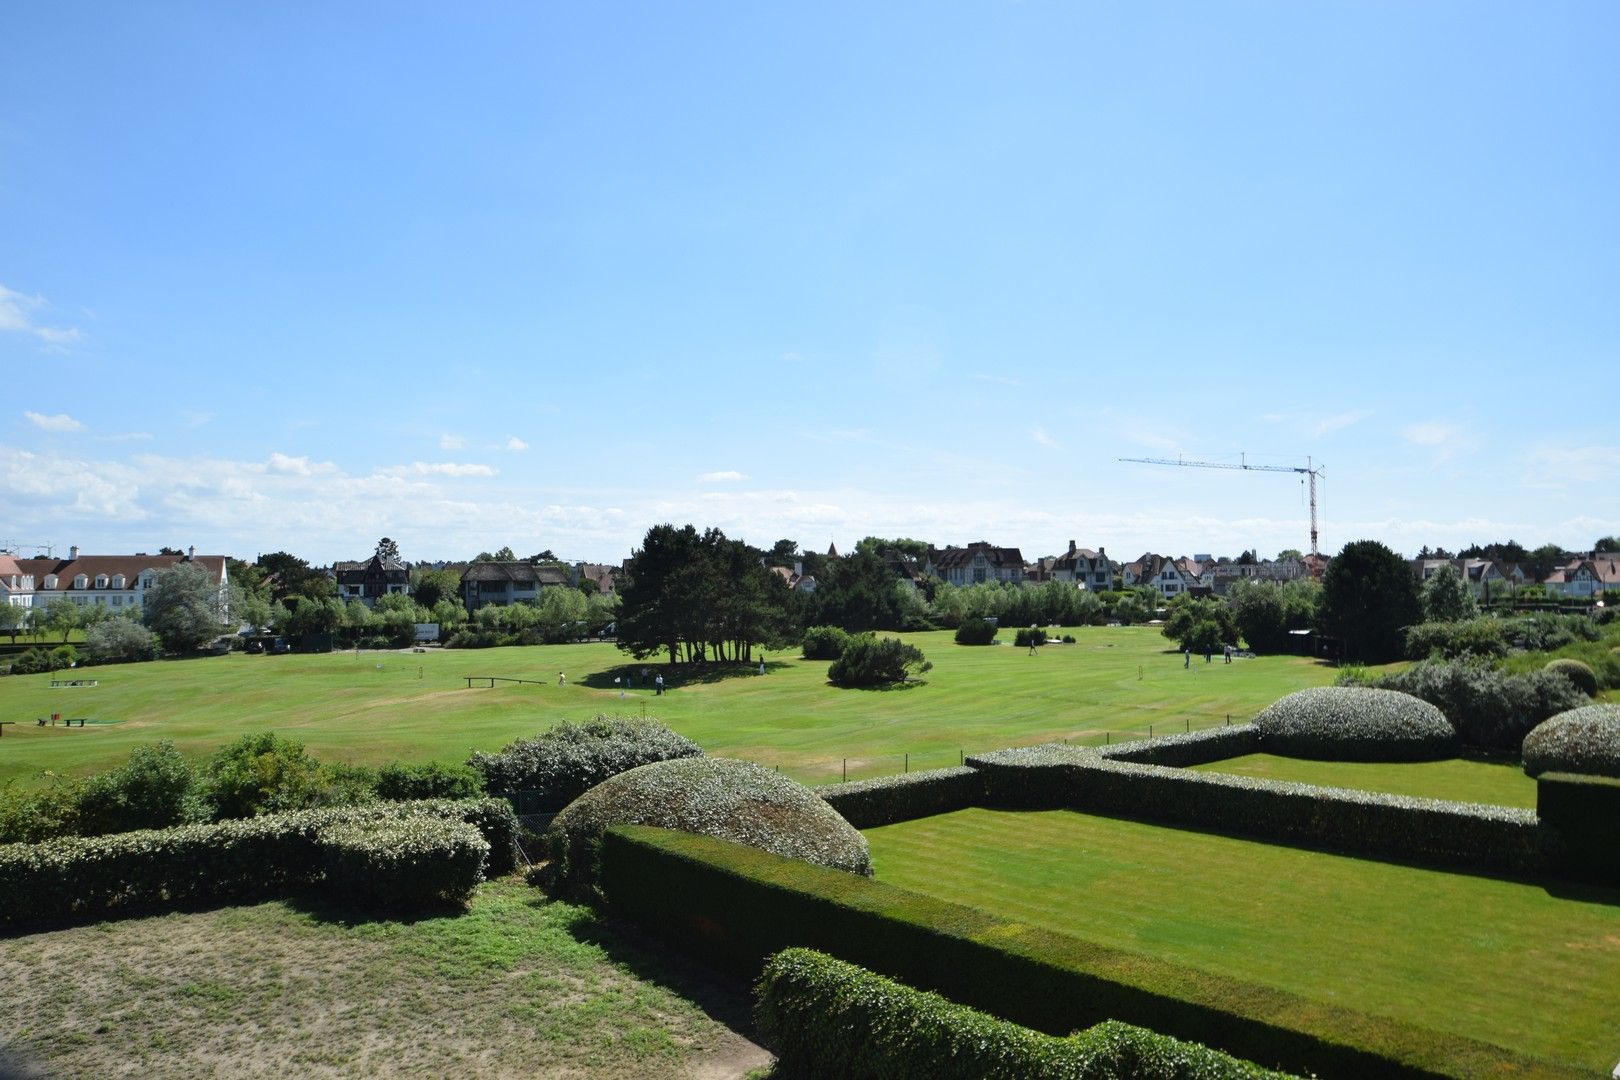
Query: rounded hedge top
[[1354, 723], [569, 759], [720, 797], [1584, 740]]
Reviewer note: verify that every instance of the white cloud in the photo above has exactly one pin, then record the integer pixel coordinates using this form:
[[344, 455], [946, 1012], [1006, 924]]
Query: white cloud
[[437, 468], [17, 315], [515, 443], [59, 422], [1039, 436], [1558, 466], [452, 442], [298, 466], [725, 476], [1430, 433]]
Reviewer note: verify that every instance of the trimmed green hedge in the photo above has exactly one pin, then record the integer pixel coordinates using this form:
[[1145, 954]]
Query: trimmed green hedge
[[412, 863], [885, 800], [1353, 723], [1584, 814], [1197, 748], [1582, 675], [824, 1017], [733, 906], [233, 860], [975, 632], [1489, 708], [1584, 740], [1459, 835], [568, 759], [735, 800]]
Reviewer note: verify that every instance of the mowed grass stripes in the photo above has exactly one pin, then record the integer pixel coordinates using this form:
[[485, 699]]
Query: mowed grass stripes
[[370, 708], [1503, 962], [1495, 783]]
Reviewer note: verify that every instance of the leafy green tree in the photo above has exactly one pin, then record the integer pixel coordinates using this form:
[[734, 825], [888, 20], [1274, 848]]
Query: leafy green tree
[[1447, 598], [387, 550], [285, 574], [1265, 612], [1607, 545], [431, 586], [184, 607], [121, 639], [562, 614], [307, 617], [12, 619], [1201, 624], [60, 616], [858, 594], [1287, 554], [1369, 596], [868, 660], [506, 554], [261, 774]]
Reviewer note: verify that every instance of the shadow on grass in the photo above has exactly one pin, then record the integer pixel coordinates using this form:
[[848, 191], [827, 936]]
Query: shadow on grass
[[724, 998], [322, 907], [884, 688], [640, 676]]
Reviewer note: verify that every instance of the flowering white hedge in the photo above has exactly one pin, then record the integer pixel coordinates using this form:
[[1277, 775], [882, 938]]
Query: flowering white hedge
[[732, 800], [413, 862], [1353, 723], [1584, 740]]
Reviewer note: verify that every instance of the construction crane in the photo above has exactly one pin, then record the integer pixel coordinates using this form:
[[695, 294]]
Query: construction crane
[[1310, 469]]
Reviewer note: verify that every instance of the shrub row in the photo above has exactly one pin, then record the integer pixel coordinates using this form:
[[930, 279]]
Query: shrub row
[[1449, 640], [824, 1017], [733, 906], [1488, 708], [1029, 636], [1180, 751], [232, 860], [563, 762], [885, 800], [1584, 813], [412, 862], [1354, 723], [1459, 835]]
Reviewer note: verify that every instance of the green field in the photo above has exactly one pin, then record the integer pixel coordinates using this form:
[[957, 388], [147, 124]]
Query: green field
[[1497, 783], [518, 986], [1508, 963], [376, 707]]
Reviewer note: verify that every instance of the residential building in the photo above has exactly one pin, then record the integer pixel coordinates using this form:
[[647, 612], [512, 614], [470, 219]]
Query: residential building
[[1169, 577], [1586, 576], [366, 581], [1086, 568], [500, 583], [979, 562], [115, 582]]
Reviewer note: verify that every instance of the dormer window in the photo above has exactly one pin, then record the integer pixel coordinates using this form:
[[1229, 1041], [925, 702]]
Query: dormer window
[[80, 581], [101, 581], [118, 581], [146, 582]]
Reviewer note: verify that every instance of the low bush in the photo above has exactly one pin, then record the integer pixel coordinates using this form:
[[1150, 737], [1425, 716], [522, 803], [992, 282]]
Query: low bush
[[869, 661], [734, 906], [1347, 723], [261, 773], [1461, 835], [824, 642], [1448, 640], [567, 760], [1584, 740], [1488, 708], [733, 800], [1603, 657], [39, 661], [410, 863], [885, 800], [231, 860], [1546, 631], [825, 1017], [121, 639], [976, 632], [431, 780], [1584, 678], [1028, 636], [154, 789]]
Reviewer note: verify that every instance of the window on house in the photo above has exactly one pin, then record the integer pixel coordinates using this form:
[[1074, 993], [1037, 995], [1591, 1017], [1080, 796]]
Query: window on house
[[50, 581], [101, 581], [118, 581], [80, 581]]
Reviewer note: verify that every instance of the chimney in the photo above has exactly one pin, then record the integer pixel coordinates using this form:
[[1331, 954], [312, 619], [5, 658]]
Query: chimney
[[1071, 547], [73, 552], [191, 553]]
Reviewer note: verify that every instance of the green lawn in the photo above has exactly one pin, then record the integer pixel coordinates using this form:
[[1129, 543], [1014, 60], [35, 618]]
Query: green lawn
[[1500, 961], [518, 986], [376, 707], [1492, 782]]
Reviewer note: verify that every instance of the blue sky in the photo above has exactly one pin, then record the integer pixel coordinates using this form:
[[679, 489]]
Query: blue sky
[[299, 276]]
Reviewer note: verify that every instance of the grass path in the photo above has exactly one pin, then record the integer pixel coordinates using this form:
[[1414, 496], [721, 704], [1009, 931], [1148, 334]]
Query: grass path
[[376, 707], [1458, 779], [1499, 961], [517, 987]]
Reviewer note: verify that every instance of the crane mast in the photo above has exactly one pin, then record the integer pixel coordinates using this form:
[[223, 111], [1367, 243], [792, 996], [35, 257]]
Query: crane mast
[[1310, 469]]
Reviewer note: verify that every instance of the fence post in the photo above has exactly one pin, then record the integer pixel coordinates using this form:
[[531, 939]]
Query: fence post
[[961, 757], [907, 766], [846, 771], [1108, 738], [1150, 731], [1228, 719], [1189, 723]]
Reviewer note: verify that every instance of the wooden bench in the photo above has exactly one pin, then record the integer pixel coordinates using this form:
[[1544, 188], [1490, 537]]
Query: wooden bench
[[73, 682]]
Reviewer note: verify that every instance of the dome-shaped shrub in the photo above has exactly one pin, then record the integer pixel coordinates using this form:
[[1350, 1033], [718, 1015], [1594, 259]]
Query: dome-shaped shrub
[[721, 797], [567, 760], [1584, 678], [1353, 723], [1584, 740]]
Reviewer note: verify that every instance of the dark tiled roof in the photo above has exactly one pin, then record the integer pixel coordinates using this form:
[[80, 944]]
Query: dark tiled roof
[[90, 566], [519, 573]]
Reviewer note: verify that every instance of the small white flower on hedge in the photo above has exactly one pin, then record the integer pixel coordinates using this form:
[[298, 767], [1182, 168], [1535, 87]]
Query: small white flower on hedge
[[1353, 723], [1584, 740]]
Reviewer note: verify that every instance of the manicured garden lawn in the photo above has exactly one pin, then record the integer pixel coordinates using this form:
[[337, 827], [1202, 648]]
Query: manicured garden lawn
[[1460, 780], [378, 707], [518, 986], [1521, 966]]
